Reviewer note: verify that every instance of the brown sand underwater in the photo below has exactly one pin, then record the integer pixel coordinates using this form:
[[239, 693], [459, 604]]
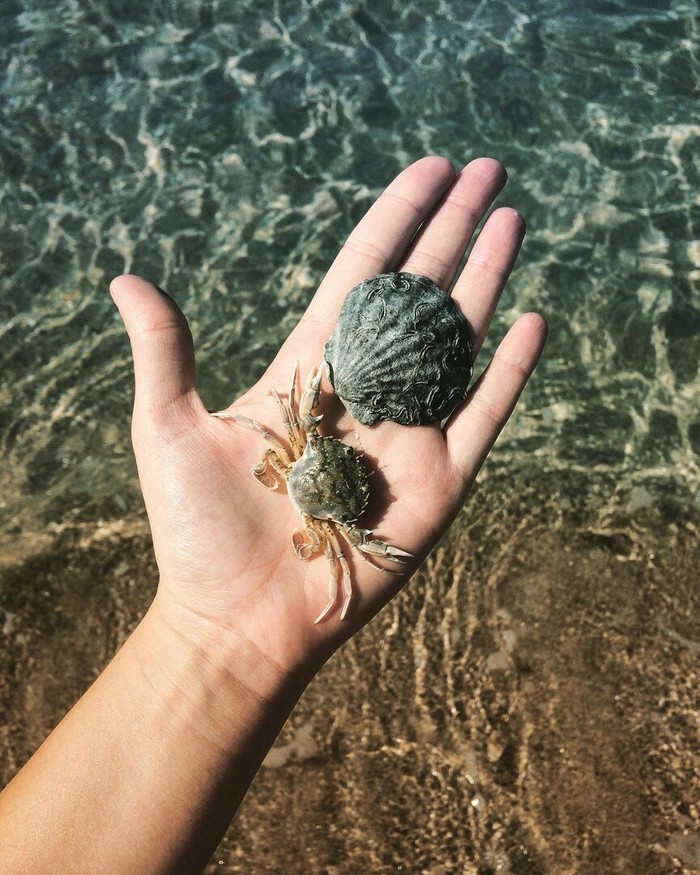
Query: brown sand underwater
[[530, 703]]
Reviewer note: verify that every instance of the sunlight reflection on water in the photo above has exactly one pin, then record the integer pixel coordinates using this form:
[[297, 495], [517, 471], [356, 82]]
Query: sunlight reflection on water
[[225, 151]]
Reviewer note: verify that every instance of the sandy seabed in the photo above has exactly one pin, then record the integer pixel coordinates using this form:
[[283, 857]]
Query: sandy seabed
[[529, 704]]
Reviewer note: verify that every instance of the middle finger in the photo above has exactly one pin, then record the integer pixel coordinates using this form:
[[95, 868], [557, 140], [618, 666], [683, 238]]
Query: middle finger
[[438, 248]]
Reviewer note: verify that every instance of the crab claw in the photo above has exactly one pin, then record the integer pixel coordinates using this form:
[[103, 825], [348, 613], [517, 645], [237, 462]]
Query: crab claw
[[370, 547], [379, 548], [304, 545], [311, 394]]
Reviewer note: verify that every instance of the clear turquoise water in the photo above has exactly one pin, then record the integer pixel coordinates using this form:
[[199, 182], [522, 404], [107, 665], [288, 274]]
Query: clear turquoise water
[[225, 150]]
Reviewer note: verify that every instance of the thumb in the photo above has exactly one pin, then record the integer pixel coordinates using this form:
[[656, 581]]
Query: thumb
[[161, 344]]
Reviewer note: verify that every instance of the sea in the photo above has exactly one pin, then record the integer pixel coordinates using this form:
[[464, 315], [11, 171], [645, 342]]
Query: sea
[[529, 704]]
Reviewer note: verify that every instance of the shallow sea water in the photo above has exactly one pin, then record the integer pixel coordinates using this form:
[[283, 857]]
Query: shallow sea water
[[529, 703]]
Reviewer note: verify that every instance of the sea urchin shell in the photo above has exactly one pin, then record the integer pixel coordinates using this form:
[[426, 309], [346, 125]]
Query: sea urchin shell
[[401, 350]]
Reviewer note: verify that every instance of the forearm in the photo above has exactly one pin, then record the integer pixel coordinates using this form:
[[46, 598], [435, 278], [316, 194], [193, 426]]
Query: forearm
[[147, 770]]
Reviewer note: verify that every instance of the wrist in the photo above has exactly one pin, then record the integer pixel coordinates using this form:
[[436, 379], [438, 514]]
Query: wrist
[[212, 678], [161, 749]]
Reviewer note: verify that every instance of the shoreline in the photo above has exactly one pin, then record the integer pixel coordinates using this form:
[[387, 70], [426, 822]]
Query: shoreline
[[528, 698]]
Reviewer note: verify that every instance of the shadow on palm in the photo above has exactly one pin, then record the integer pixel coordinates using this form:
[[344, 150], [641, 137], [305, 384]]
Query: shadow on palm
[[340, 490]]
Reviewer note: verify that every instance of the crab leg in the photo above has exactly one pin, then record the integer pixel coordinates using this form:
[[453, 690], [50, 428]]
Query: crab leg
[[288, 420], [256, 426], [336, 558], [347, 576], [311, 394], [261, 471], [292, 397], [293, 407], [332, 584], [308, 542], [295, 433], [375, 564], [368, 548]]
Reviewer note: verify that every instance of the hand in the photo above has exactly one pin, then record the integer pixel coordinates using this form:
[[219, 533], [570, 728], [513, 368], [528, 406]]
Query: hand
[[149, 767], [222, 541]]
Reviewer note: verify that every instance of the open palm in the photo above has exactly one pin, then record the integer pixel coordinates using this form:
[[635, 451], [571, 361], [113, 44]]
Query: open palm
[[223, 543]]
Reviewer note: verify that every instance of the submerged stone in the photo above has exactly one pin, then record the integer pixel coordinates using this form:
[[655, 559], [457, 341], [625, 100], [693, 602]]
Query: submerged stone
[[401, 351]]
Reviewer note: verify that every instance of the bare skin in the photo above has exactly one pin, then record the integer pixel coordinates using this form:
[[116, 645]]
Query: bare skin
[[147, 770]]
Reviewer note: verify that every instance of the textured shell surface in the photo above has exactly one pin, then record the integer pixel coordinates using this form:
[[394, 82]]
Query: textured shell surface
[[329, 482], [401, 351]]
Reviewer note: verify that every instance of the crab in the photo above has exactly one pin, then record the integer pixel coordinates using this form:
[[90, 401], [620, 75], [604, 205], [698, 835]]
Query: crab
[[326, 482]]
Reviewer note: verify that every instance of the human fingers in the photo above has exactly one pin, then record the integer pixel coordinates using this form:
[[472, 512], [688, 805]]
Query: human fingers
[[491, 400], [382, 236], [439, 246], [488, 267], [161, 344]]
